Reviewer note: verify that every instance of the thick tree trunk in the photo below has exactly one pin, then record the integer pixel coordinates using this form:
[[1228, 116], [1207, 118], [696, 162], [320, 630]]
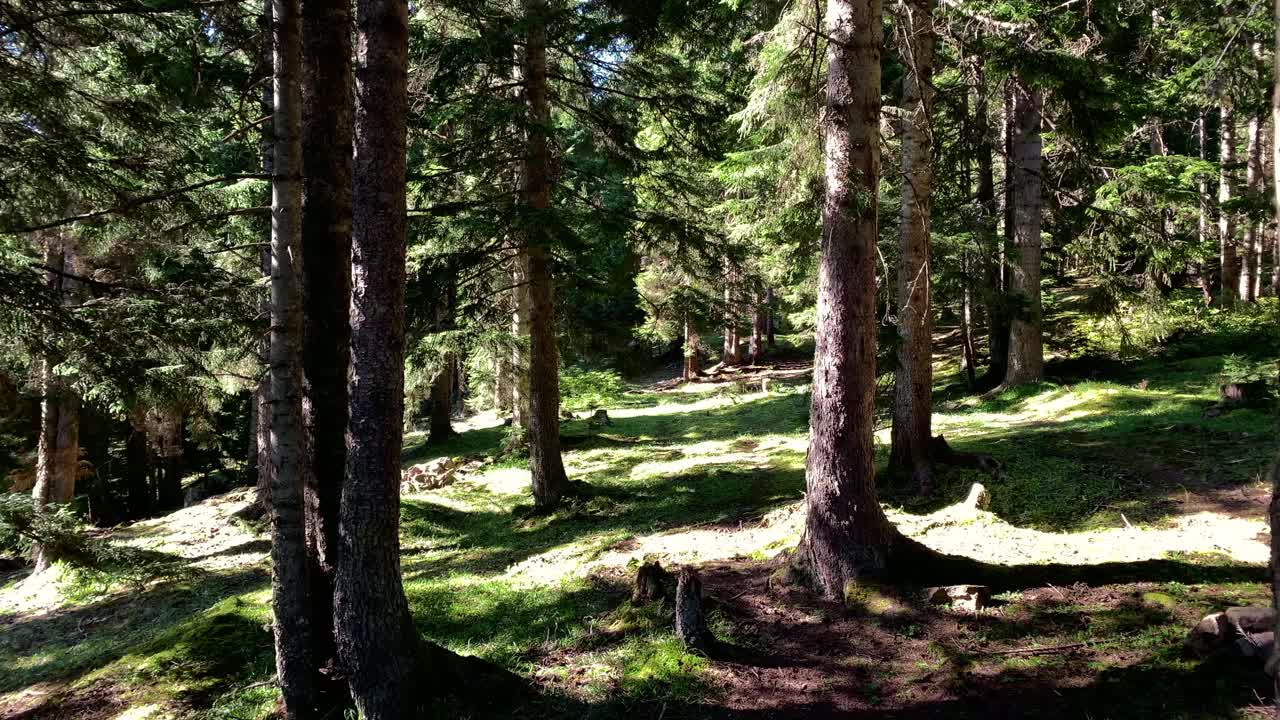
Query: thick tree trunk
[[262, 392], [326, 288], [692, 346], [913, 377], [1251, 261], [1275, 465], [847, 536], [1026, 351], [730, 354], [1228, 256], [549, 480], [755, 348], [377, 641], [289, 591]]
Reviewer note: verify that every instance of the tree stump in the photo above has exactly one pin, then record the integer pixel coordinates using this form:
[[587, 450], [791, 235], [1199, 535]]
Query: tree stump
[[652, 582], [691, 623]]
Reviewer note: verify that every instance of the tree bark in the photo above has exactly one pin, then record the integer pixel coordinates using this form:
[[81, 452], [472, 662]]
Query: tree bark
[[759, 311], [289, 591], [141, 496], [376, 638], [549, 480], [58, 443], [520, 332], [1228, 256], [1026, 351], [262, 392], [988, 228], [1202, 226], [913, 377], [692, 346], [1251, 262], [847, 536], [730, 354], [326, 279], [768, 318]]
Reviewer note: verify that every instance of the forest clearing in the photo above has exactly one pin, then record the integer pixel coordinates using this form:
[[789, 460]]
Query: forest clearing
[[386, 360]]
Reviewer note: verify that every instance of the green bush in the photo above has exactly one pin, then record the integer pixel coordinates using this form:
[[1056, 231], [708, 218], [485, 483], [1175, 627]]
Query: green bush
[[582, 389]]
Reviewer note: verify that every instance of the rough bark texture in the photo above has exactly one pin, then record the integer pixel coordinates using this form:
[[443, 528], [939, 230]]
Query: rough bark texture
[[692, 346], [913, 377], [988, 228], [520, 331], [1228, 257], [1202, 226], [768, 317], [326, 252], [376, 638], [545, 463], [1275, 465], [755, 348], [442, 402], [1251, 256], [288, 536], [262, 392], [141, 496], [58, 441], [691, 621], [1026, 350], [846, 535]]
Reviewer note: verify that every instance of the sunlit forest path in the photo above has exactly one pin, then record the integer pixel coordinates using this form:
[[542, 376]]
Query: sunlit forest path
[[1148, 504]]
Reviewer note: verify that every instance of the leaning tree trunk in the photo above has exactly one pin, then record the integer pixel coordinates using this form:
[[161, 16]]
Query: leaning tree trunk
[[1251, 261], [549, 480], [326, 268], [847, 536], [289, 603], [913, 377], [1026, 350], [1228, 256]]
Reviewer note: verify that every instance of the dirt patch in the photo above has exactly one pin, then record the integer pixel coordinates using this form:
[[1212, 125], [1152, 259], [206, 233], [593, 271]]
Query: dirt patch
[[52, 701]]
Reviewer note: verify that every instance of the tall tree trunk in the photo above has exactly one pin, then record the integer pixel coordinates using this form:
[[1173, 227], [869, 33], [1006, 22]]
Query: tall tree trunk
[[289, 602], [549, 480], [266, 149], [1228, 257], [442, 385], [847, 536], [692, 343], [988, 227], [1202, 227], [141, 495], [377, 641], [58, 443], [730, 354], [520, 332], [166, 434], [759, 311], [1275, 464], [1026, 351], [1251, 262], [326, 291], [913, 377]]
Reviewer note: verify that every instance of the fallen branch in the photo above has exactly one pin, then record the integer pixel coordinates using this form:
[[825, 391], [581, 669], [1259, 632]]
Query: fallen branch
[[1039, 650]]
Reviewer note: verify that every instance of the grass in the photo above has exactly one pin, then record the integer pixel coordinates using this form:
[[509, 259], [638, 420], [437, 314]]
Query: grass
[[1108, 466]]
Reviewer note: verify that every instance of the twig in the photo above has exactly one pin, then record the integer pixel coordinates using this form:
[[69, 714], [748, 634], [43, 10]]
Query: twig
[[261, 683]]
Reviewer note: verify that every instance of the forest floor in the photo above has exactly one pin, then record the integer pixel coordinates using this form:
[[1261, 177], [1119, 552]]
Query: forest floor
[[1112, 472]]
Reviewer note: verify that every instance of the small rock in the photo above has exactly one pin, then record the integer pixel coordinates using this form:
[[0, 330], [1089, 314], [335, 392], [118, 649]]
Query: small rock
[[431, 475], [963, 597]]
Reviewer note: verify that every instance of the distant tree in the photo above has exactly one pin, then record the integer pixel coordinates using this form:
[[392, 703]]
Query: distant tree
[[1023, 175]]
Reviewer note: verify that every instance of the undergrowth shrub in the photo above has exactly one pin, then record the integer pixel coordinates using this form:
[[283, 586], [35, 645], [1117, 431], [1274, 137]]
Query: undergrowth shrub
[[582, 389]]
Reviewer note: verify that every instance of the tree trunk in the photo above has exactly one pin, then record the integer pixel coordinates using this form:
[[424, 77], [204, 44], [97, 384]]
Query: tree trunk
[[442, 402], [988, 228], [141, 496], [1251, 262], [549, 480], [692, 343], [376, 638], [58, 443], [913, 377], [1228, 257], [1026, 351], [326, 292], [846, 534], [1202, 227], [759, 311], [768, 318], [730, 354], [262, 392], [166, 435], [520, 332], [289, 591]]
